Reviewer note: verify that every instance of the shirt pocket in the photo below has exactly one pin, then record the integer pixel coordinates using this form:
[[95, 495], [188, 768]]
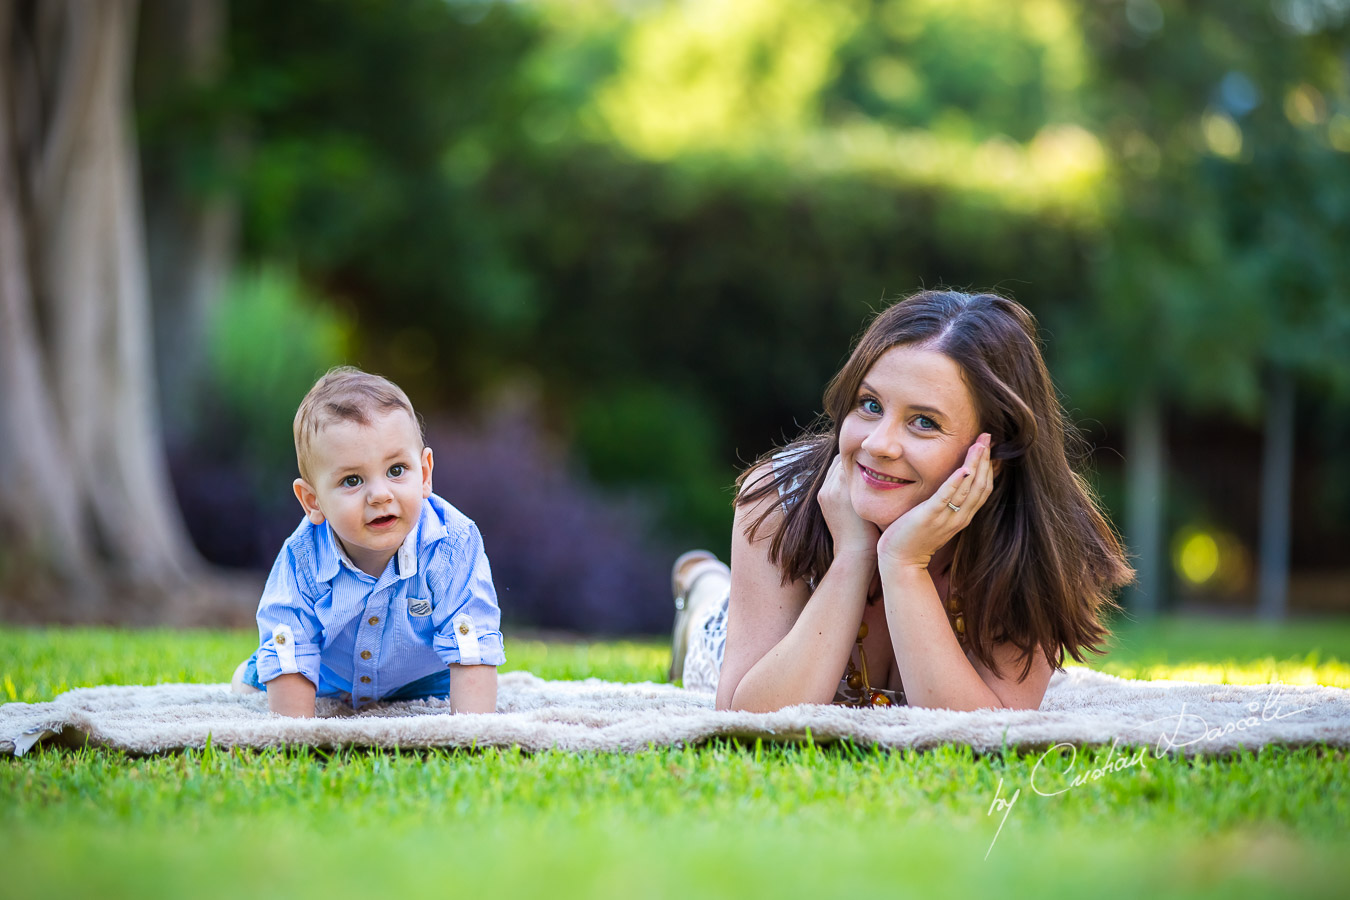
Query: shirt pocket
[[420, 618]]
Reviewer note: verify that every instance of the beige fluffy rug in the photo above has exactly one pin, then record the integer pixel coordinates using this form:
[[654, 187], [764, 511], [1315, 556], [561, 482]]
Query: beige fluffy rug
[[1081, 707]]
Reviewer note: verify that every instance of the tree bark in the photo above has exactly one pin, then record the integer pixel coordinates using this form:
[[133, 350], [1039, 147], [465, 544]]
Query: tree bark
[[80, 422], [1146, 473], [40, 508], [1277, 476]]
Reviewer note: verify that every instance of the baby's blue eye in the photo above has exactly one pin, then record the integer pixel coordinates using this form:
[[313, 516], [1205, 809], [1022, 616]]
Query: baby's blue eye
[[352, 481], [397, 470]]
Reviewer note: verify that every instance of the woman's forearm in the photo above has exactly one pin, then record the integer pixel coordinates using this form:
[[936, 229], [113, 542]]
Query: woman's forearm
[[932, 665], [805, 666]]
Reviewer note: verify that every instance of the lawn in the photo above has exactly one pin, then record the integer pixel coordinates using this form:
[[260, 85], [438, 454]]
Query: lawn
[[720, 820]]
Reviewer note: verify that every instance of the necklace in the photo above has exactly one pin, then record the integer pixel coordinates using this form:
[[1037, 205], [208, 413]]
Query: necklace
[[856, 688]]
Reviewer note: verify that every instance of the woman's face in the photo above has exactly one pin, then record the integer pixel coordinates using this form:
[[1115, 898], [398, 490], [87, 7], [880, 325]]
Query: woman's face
[[908, 430]]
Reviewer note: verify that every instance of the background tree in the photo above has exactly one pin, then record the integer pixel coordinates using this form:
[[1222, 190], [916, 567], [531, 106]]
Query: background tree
[[632, 242], [84, 494], [1219, 286]]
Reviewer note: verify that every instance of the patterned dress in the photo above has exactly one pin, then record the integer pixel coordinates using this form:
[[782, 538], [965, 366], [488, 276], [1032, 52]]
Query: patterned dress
[[707, 644]]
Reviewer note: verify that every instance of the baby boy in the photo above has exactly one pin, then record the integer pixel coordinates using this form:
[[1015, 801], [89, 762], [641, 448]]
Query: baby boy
[[384, 591]]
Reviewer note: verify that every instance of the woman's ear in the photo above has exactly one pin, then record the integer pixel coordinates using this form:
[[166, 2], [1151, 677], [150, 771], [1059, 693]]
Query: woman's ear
[[309, 500]]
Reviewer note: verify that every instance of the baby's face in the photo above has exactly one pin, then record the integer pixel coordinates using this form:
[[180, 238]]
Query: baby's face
[[369, 482]]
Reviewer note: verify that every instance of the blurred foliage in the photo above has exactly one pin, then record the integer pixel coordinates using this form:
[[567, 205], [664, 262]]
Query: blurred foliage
[[485, 199], [564, 554], [271, 338], [1229, 129], [666, 220]]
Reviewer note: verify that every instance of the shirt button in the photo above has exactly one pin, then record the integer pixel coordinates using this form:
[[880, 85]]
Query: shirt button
[[365, 679], [365, 654], [281, 639], [463, 628], [374, 620]]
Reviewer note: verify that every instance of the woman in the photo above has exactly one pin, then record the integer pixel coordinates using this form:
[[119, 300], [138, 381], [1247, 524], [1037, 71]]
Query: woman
[[928, 545]]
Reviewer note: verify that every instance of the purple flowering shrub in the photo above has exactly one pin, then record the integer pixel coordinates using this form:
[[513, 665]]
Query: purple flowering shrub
[[564, 555]]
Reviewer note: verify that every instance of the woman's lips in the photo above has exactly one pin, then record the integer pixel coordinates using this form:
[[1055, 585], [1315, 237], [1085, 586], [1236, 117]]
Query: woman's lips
[[880, 480]]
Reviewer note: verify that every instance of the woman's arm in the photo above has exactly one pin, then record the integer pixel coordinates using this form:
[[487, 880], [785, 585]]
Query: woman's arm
[[781, 649], [935, 670]]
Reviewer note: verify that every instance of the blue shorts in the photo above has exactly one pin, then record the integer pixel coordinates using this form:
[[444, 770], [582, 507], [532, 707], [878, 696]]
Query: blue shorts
[[435, 686]]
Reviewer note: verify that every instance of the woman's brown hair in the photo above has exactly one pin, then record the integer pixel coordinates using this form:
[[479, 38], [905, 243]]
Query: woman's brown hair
[[1037, 565]]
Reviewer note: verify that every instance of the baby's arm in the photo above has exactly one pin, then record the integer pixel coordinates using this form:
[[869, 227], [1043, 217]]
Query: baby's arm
[[288, 658], [469, 637], [291, 695], [473, 689]]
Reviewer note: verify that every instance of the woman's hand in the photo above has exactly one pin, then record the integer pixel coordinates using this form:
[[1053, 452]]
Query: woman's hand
[[912, 539], [851, 533]]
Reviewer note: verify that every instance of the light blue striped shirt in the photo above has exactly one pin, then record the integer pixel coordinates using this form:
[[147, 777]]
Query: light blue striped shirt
[[353, 634]]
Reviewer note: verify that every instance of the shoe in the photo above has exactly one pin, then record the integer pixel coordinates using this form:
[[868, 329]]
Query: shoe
[[688, 568]]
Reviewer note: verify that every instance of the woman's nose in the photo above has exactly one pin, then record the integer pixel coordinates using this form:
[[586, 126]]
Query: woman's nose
[[883, 441]]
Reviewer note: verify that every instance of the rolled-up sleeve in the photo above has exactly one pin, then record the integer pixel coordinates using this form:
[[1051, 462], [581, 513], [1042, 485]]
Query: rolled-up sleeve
[[467, 617], [288, 629]]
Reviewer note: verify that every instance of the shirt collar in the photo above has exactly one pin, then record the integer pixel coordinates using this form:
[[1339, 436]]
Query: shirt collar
[[331, 556]]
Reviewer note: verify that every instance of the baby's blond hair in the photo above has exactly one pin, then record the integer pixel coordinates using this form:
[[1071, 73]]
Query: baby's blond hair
[[345, 394]]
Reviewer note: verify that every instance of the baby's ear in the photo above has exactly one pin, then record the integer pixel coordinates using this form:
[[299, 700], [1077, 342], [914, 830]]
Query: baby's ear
[[426, 472], [309, 500]]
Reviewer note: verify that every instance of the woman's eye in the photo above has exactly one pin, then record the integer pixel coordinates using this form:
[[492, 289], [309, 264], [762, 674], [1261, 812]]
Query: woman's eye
[[925, 423], [352, 481], [871, 406], [396, 471]]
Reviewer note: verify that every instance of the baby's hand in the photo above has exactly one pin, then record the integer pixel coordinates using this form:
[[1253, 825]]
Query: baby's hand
[[291, 694], [473, 689]]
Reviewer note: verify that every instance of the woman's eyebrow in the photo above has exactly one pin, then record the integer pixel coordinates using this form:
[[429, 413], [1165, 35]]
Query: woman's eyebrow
[[914, 407]]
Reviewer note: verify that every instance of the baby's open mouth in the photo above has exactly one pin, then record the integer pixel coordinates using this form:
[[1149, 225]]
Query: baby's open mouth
[[382, 521]]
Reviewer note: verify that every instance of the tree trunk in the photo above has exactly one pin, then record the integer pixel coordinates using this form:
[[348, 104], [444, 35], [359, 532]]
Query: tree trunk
[[1277, 476], [1146, 472], [40, 503], [80, 417]]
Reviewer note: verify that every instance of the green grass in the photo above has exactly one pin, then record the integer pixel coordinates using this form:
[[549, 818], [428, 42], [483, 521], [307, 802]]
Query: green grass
[[722, 820]]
